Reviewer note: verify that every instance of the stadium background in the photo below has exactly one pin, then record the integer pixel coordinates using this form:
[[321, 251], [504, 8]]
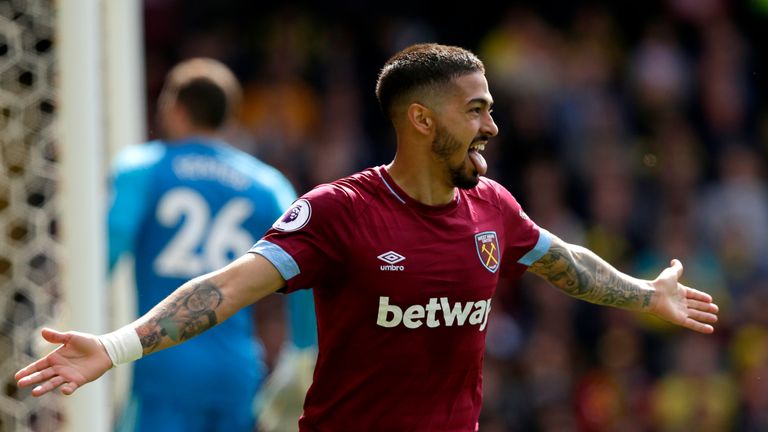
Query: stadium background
[[639, 130]]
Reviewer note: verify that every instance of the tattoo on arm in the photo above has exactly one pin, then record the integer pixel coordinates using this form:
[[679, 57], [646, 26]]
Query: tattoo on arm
[[580, 273], [187, 312]]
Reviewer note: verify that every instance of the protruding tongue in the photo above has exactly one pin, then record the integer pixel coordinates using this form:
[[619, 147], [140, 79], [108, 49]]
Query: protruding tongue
[[479, 161]]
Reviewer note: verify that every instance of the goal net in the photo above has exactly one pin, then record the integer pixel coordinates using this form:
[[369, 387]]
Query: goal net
[[29, 247]]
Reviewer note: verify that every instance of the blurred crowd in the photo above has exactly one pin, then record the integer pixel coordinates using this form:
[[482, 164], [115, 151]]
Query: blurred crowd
[[639, 131]]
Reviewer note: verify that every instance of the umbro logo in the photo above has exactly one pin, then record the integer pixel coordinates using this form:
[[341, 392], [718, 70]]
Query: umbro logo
[[391, 258]]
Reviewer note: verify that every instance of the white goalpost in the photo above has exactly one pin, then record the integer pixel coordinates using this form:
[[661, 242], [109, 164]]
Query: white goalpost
[[114, 114], [82, 195]]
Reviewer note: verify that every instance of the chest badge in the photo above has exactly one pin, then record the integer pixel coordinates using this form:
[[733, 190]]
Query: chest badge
[[487, 245]]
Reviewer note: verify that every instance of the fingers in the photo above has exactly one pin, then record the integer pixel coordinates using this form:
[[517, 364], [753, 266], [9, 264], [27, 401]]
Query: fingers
[[54, 336], [700, 301], [702, 306], [694, 325], [697, 295], [51, 336], [69, 388], [701, 311], [47, 371], [49, 385], [66, 387], [37, 377], [42, 371], [50, 380], [32, 368], [704, 317]]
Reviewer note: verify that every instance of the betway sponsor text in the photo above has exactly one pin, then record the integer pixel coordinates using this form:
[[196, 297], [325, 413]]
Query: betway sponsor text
[[437, 312]]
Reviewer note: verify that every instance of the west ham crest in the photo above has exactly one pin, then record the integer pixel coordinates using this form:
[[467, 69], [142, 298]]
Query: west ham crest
[[488, 250]]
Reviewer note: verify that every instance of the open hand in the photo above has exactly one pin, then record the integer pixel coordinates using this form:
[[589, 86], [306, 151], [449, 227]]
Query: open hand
[[681, 305], [79, 360]]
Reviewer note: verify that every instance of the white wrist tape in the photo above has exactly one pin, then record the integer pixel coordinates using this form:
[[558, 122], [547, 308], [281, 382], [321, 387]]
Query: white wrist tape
[[122, 345]]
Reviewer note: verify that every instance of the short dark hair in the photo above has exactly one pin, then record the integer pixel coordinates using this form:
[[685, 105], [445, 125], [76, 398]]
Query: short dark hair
[[206, 89], [420, 66]]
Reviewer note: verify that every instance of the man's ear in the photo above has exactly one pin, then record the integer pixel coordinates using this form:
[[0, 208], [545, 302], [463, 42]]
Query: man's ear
[[421, 118]]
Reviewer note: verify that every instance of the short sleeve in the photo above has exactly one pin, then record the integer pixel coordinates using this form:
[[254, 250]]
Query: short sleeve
[[307, 243], [525, 242]]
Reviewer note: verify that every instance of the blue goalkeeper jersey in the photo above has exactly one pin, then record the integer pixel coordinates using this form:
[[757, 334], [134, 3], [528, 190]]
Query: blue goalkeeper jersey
[[183, 209]]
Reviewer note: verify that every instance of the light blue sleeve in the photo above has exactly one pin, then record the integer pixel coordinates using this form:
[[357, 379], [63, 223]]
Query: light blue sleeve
[[539, 250], [132, 173]]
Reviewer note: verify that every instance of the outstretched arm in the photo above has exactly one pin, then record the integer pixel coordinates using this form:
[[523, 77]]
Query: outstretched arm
[[193, 308], [580, 273], [206, 301]]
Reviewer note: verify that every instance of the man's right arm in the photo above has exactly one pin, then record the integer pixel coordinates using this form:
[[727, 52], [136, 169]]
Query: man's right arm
[[191, 309]]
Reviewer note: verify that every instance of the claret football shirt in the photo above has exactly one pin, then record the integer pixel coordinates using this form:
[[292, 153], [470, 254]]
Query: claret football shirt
[[403, 293]]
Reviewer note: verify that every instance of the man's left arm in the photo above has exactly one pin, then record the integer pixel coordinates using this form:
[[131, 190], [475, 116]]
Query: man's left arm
[[582, 274]]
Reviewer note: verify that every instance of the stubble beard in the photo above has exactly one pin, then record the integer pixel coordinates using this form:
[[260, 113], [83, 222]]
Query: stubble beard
[[444, 146]]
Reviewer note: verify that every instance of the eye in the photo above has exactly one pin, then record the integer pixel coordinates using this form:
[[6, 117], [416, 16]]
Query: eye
[[480, 110]]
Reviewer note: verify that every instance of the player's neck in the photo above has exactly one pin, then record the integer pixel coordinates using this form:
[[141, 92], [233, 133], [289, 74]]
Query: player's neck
[[425, 182], [199, 134]]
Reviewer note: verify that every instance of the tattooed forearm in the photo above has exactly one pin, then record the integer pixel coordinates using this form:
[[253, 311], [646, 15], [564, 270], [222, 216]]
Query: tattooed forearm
[[582, 274], [185, 313]]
